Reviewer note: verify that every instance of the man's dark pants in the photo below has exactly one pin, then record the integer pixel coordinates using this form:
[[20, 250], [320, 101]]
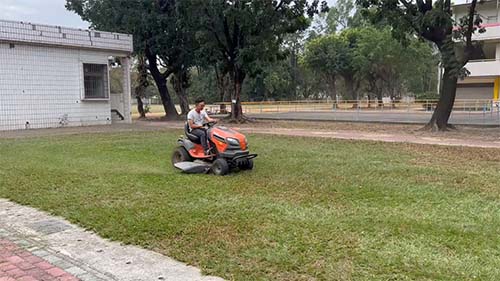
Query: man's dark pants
[[202, 134]]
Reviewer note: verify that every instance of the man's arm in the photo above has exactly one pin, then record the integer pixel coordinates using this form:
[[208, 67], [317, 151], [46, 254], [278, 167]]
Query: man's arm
[[193, 126], [208, 119]]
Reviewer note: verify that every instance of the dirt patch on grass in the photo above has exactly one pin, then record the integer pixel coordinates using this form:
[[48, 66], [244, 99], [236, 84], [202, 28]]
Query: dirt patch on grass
[[462, 132]]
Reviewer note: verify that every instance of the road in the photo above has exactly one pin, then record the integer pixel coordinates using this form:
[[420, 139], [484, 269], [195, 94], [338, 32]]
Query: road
[[457, 118]]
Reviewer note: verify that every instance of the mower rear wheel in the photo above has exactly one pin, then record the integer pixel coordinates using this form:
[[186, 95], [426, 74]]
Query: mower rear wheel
[[181, 155], [220, 167], [248, 165]]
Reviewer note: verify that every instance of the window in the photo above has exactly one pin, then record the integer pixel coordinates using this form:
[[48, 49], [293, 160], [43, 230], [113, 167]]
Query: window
[[484, 51], [95, 78], [492, 19]]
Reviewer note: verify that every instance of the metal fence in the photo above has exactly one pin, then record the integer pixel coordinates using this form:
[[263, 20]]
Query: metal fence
[[483, 105]]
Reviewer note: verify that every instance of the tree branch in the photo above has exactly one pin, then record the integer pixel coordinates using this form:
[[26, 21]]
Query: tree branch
[[447, 6], [153, 65], [406, 4], [228, 36], [279, 5], [470, 23], [213, 29], [421, 6], [428, 4]]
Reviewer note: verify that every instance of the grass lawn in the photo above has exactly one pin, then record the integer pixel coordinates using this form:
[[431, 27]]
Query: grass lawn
[[313, 209]]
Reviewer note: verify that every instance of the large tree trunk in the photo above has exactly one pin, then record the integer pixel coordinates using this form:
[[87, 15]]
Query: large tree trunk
[[350, 87], [140, 107], [179, 82], [142, 84], [236, 108], [332, 91], [168, 104], [380, 98], [184, 102], [294, 66], [452, 68], [161, 83], [448, 91], [221, 83], [221, 78]]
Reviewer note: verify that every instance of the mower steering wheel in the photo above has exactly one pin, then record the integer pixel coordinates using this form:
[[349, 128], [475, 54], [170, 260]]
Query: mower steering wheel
[[209, 124]]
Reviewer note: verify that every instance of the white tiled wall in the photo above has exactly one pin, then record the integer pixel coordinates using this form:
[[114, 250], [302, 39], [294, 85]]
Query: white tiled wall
[[62, 36], [42, 85]]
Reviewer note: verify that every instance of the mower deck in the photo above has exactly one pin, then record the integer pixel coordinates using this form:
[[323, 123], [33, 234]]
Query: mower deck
[[196, 167]]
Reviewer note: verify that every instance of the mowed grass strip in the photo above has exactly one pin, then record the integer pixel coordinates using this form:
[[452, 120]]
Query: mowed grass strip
[[313, 209]]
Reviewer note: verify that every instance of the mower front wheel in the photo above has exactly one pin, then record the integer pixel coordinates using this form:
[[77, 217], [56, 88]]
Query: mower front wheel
[[247, 165], [220, 167], [181, 155]]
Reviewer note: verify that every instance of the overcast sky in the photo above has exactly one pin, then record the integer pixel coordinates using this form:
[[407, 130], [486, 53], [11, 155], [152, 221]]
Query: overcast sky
[[50, 12]]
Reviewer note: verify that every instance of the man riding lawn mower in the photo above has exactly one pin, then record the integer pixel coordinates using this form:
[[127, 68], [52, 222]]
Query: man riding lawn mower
[[207, 147]]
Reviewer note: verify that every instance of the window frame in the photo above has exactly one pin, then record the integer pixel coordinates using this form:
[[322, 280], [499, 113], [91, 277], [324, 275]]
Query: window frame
[[83, 97]]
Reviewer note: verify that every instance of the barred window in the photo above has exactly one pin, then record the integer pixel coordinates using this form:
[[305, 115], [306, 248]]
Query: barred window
[[95, 81]]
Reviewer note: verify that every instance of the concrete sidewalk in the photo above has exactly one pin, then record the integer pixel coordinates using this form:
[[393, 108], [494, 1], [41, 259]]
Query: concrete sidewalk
[[35, 246]]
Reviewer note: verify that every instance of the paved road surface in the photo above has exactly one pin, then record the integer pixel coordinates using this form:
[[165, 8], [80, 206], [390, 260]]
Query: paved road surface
[[460, 118]]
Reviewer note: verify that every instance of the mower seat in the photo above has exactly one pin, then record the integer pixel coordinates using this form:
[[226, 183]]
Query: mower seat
[[191, 137]]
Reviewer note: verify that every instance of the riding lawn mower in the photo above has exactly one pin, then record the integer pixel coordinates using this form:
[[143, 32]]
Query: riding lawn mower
[[228, 150]]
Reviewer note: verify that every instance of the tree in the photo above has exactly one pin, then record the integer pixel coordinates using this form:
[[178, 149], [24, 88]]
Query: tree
[[332, 56], [246, 34], [326, 56], [349, 71], [340, 16], [157, 36], [177, 46], [380, 59], [421, 76], [343, 15], [141, 85], [433, 21]]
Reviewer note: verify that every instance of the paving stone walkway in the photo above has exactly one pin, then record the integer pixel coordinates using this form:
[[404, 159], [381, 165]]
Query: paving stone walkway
[[16, 263], [35, 246]]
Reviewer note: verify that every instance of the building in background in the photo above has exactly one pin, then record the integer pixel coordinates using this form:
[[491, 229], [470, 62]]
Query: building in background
[[53, 76], [484, 79]]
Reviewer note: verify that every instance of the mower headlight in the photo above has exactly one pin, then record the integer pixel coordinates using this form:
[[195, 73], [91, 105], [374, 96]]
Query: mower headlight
[[233, 141]]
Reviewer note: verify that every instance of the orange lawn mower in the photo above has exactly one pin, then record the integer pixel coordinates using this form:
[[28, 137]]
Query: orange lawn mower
[[228, 150]]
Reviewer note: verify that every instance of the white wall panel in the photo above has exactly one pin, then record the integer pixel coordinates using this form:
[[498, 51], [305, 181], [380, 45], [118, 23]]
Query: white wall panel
[[42, 85]]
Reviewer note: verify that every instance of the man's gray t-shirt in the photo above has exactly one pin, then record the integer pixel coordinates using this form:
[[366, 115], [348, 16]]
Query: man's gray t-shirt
[[198, 118]]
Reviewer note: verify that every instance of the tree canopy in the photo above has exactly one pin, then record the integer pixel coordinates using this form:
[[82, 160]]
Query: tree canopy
[[265, 50], [244, 35], [160, 34], [433, 21]]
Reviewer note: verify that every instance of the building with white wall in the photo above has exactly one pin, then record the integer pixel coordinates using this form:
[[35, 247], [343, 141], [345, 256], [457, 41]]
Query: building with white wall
[[484, 68], [53, 76]]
